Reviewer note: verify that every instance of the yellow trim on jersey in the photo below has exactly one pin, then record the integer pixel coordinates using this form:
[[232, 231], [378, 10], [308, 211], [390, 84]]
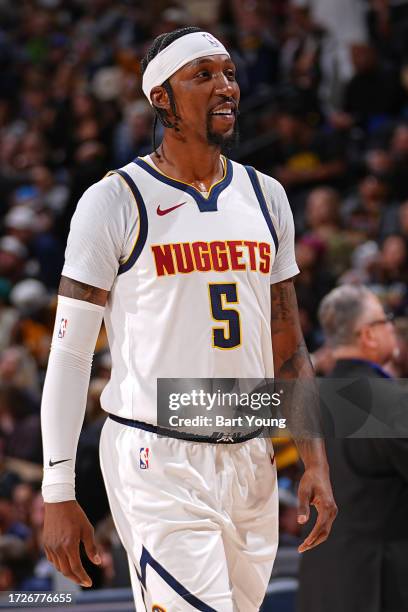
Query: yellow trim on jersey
[[224, 163]]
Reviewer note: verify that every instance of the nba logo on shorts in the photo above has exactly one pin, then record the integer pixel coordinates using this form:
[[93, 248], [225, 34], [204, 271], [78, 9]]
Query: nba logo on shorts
[[144, 458], [62, 328]]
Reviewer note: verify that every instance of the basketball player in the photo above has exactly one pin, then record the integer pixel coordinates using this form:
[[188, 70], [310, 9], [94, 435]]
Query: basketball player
[[185, 254]]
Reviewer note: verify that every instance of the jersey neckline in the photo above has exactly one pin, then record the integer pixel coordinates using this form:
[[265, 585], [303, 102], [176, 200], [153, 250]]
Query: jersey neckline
[[205, 203]]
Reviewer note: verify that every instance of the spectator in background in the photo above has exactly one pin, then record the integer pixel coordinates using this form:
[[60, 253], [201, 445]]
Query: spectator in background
[[403, 218], [254, 42], [50, 194], [378, 162], [364, 258], [388, 28], [289, 528], [22, 498], [13, 259], [9, 525], [369, 213], [36, 312], [33, 151], [114, 563], [8, 315], [10, 177], [399, 154], [313, 282], [35, 232], [303, 156], [89, 164], [345, 23], [19, 421], [399, 363], [306, 60], [90, 489], [18, 370], [323, 222], [373, 94], [15, 564], [133, 135], [362, 565], [389, 276], [41, 578]]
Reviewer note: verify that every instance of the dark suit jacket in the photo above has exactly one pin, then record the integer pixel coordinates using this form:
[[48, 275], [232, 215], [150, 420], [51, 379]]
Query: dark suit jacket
[[363, 566]]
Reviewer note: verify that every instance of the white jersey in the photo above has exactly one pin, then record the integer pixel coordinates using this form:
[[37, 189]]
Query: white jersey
[[189, 276]]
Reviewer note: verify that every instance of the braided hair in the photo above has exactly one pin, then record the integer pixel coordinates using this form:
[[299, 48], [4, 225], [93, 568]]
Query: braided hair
[[161, 42]]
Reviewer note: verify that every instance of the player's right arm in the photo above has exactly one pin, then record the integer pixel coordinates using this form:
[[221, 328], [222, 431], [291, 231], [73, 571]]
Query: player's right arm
[[65, 523], [292, 363], [101, 234]]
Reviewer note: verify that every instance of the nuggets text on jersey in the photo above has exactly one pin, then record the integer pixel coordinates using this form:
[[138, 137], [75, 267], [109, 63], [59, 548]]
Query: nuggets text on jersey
[[217, 255]]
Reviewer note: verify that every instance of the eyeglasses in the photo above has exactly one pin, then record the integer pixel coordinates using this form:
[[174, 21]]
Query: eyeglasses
[[389, 318]]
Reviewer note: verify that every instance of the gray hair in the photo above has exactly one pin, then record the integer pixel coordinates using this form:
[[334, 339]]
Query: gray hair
[[339, 312]]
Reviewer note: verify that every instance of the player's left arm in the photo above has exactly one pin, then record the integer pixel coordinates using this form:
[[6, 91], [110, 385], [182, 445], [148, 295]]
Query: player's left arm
[[292, 361]]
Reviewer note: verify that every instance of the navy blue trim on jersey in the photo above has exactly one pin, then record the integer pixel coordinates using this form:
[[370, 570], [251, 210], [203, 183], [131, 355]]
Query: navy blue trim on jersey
[[204, 204], [147, 559], [143, 223], [216, 438], [142, 587], [253, 177]]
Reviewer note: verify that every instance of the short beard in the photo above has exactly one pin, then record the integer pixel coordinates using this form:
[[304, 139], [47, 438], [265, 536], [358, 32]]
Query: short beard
[[227, 143]]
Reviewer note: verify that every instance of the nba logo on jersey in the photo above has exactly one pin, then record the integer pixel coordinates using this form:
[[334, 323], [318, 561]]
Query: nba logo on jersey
[[62, 328], [144, 458]]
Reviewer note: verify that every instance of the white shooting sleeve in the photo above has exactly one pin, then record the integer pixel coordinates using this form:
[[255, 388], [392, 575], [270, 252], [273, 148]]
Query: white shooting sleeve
[[76, 330]]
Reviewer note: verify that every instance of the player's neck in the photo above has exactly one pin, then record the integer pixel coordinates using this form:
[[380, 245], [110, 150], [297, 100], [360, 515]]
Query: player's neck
[[199, 165]]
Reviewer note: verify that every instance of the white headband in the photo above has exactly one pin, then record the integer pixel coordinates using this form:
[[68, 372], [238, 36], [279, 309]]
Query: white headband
[[179, 53]]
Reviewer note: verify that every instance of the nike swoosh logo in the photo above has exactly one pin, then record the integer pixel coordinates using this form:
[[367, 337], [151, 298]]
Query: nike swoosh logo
[[162, 212], [52, 463]]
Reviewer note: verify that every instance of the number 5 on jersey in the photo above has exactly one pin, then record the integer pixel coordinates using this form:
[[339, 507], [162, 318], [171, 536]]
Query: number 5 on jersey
[[229, 335]]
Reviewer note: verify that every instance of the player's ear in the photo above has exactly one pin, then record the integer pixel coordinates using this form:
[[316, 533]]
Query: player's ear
[[160, 98]]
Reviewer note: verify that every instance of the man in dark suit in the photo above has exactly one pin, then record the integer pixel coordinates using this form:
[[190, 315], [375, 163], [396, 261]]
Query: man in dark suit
[[363, 566]]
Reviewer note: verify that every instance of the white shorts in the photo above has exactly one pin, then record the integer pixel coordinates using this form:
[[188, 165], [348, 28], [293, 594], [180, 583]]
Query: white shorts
[[199, 521]]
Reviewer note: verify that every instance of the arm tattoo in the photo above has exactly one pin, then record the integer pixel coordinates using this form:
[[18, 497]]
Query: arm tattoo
[[81, 291], [298, 364], [292, 363], [290, 353], [283, 302]]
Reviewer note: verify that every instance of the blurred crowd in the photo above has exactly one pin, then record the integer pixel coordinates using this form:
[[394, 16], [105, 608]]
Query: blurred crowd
[[324, 110]]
